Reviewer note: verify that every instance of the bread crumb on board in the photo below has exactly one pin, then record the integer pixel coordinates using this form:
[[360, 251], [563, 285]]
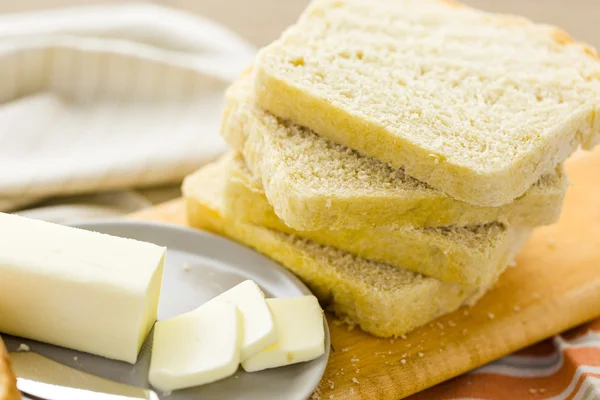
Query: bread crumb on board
[[23, 348], [537, 390]]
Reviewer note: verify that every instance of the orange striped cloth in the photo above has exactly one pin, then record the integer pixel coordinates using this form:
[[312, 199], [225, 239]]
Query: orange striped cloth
[[566, 367]]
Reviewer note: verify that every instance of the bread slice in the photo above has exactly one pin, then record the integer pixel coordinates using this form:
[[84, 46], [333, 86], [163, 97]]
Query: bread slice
[[477, 105], [313, 183], [383, 300], [471, 256]]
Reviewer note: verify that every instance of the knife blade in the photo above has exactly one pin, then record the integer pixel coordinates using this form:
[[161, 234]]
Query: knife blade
[[43, 378], [49, 391]]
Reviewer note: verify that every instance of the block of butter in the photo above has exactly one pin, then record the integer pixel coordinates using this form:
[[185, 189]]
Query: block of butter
[[78, 289], [259, 328], [196, 348], [299, 323]]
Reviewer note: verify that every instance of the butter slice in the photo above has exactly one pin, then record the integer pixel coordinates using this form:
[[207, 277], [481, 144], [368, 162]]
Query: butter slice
[[78, 289], [299, 323], [259, 327], [196, 348]]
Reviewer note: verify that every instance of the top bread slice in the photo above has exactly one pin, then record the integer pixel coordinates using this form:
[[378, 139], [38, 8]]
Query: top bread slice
[[477, 105], [313, 183]]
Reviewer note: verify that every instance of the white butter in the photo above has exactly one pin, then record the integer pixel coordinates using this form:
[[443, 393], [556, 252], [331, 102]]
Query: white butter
[[196, 348], [78, 289], [259, 328], [299, 323]]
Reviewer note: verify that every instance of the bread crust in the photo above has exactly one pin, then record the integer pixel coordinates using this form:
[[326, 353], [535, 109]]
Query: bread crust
[[8, 380], [558, 35], [446, 254], [271, 148]]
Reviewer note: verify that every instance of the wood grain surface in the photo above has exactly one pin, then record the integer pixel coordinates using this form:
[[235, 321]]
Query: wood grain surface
[[555, 286]]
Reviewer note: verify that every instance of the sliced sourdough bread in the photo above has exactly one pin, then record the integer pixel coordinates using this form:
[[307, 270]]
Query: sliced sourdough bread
[[314, 183], [383, 300], [475, 104], [470, 256]]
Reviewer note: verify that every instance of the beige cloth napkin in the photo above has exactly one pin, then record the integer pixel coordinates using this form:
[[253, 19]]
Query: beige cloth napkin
[[108, 97]]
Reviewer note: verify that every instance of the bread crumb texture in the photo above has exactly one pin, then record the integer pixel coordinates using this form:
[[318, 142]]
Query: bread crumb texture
[[474, 255], [314, 183]]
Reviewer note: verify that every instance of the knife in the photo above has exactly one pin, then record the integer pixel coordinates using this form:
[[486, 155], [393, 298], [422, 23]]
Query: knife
[[41, 378], [46, 391]]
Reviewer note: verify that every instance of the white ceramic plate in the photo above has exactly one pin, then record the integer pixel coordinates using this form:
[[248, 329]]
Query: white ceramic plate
[[215, 265]]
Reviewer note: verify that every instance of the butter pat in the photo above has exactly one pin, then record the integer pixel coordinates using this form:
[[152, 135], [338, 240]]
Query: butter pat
[[299, 323], [196, 348], [259, 328], [78, 289]]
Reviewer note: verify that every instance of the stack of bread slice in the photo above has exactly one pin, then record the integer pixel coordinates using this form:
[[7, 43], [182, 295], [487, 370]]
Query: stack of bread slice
[[395, 155]]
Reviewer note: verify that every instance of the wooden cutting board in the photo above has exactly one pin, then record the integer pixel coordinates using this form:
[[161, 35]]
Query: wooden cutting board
[[555, 286]]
